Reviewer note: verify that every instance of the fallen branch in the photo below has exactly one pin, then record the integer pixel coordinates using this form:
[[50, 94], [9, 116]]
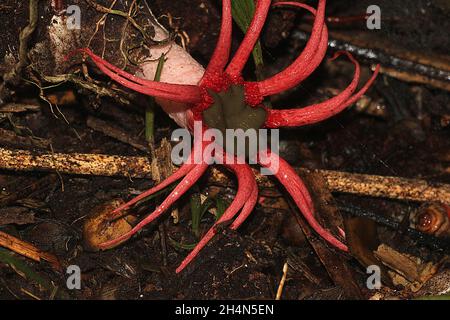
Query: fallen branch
[[140, 167]]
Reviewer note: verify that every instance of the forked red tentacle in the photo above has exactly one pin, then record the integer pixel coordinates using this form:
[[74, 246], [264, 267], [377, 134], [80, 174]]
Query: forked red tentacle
[[188, 181], [267, 158], [296, 188], [221, 53], [320, 111], [307, 61], [321, 50], [175, 92], [241, 56], [248, 207], [245, 177], [177, 175], [361, 91], [299, 117]]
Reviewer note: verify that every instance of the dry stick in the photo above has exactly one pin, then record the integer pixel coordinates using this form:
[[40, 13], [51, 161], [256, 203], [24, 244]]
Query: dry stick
[[163, 168], [282, 282], [122, 97], [140, 167]]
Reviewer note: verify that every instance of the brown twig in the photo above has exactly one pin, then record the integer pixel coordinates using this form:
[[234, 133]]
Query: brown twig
[[114, 93], [140, 167], [162, 169], [282, 282]]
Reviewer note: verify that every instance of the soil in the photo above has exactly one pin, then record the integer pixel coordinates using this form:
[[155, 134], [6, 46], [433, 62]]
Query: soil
[[409, 139]]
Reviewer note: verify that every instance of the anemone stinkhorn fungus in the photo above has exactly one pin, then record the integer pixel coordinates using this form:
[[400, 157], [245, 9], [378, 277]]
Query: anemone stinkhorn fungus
[[196, 93]]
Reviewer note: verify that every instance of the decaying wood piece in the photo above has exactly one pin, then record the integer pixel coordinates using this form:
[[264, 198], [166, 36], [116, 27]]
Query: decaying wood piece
[[361, 235], [140, 167], [77, 163], [416, 78], [28, 250], [16, 215], [385, 186], [411, 268]]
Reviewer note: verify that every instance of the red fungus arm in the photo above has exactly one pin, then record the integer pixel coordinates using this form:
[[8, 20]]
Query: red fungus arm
[[248, 207], [246, 180], [188, 181], [298, 191], [241, 56], [221, 53], [307, 61], [174, 92], [191, 171], [320, 111], [177, 175]]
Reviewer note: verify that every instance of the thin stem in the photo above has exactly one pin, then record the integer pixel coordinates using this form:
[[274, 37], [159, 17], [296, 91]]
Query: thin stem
[[150, 109]]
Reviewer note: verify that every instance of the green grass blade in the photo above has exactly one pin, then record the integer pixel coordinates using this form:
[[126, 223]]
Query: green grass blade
[[221, 206], [150, 110], [180, 245], [243, 11], [9, 258], [198, 210]]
